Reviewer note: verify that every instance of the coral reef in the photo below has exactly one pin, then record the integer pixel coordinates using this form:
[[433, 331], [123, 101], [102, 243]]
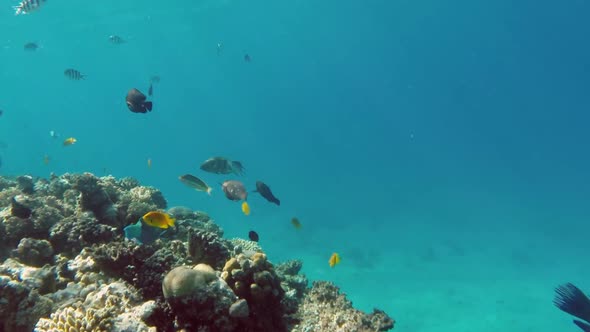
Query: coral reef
[[67, 266], [326, 309], [254, 280]]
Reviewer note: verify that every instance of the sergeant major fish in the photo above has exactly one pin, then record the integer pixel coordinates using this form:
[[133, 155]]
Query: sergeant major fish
[[136, 102], [74, 74], [27, 6]]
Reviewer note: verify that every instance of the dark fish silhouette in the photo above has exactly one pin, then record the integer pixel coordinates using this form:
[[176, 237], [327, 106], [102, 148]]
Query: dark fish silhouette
[[234, 190], [247, 58], [74, 74], [221, 165], [253, 236], [151, 90], [31, 46], [265, 192], [572, 300], [136, 102]]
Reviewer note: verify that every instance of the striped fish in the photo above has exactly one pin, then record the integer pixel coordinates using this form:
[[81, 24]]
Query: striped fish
[[73, 74], [27, 6]]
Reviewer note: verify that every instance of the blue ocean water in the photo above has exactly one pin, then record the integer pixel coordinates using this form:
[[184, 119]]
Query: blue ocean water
[[439, 147]]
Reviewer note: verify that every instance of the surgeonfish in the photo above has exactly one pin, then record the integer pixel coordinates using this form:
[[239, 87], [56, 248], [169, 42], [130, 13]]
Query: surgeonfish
[[253, 236], [136, 101], [158, 219], [334, 259], [196, 183], [265, 192], [27, 6]]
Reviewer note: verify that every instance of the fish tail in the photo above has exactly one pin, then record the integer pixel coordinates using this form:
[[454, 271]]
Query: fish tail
[[209, 190], [171, 222], [148, 105], [572, 300]]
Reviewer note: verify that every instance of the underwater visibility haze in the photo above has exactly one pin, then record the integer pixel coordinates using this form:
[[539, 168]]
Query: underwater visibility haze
[[429, 158]]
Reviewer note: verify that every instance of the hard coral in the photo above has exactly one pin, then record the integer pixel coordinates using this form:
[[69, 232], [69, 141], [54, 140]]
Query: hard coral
[[326, 309], [206, 247], [199, 299], [254, 279], [143, 266]]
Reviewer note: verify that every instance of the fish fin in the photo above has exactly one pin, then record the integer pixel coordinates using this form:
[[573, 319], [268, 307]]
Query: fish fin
[[171, 222], [148, 105], [277, 202], [209, 190], [572, 300], [585, 327]]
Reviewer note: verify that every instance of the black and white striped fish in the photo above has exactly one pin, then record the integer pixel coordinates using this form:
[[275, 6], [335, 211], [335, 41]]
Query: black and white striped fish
[[27, 6], [73, 74]]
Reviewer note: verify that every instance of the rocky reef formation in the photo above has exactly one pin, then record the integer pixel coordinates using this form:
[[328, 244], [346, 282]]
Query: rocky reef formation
[[67, 266]]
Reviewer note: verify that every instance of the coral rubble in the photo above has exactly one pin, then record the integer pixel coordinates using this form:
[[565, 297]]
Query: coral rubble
[[68, 266]]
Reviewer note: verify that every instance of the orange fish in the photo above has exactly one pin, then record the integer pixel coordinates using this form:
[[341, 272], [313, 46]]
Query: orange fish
[[246, 208], [70, 141], [334, 259], [158, 219]]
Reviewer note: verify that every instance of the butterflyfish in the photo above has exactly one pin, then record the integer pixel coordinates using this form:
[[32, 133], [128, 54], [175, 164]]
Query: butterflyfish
[[334, 259], [246, 208], [158, 219]]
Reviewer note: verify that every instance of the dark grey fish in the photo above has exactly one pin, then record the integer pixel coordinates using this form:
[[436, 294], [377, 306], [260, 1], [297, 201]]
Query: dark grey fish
[[221, 165], [136, 102], [265, 192], [74, 74], [573, 301], [253, 236], [116, 39], [247, 58], [31, 46], [151, 90], [234, 190]]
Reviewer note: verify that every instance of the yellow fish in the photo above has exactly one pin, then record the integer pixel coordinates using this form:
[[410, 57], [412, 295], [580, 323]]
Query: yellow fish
[[334, 259], [246, 208], [149, 162], [158, 219], [295, 222], [70, 141]]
